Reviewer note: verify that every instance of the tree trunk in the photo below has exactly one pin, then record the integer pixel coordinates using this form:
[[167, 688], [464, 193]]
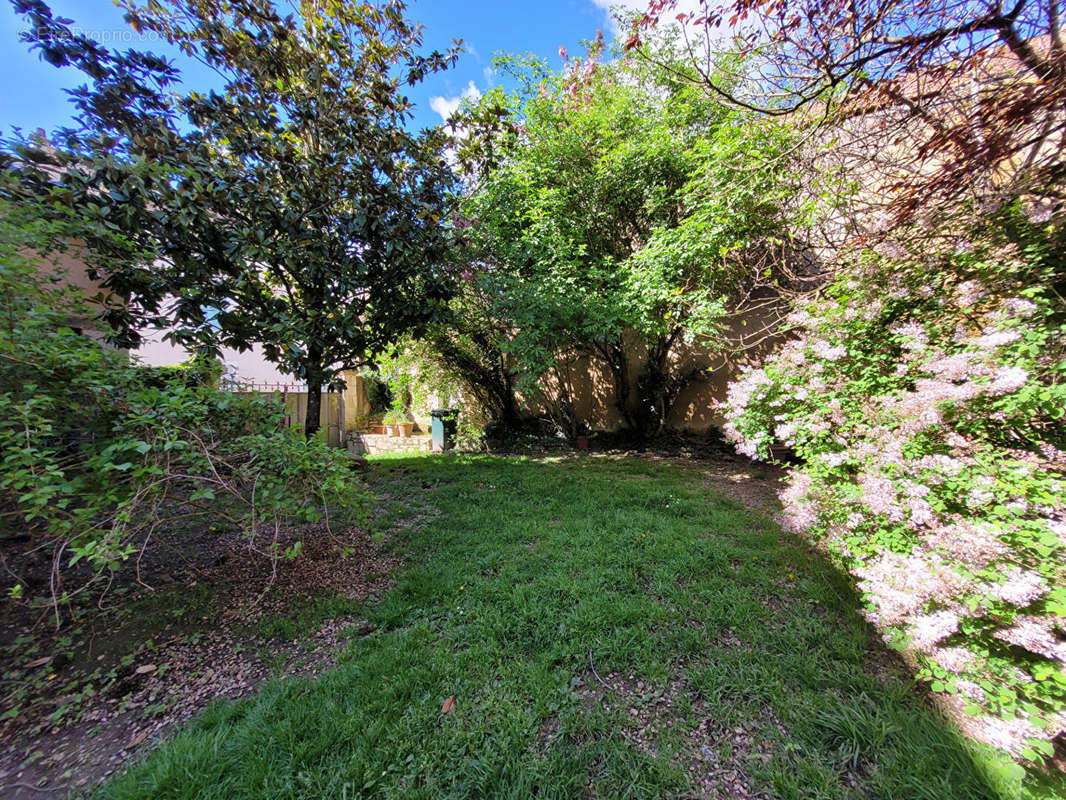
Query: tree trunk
[[314, 407], [657, 387], [614, 356]]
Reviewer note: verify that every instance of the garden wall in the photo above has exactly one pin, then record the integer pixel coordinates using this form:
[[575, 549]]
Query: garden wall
[[587, 385]]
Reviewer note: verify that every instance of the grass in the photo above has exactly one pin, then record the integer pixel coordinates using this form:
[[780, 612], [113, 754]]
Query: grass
[[559, 604]]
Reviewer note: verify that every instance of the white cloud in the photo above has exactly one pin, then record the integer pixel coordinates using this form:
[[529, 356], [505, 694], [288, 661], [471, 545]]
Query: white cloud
[[446, 106]]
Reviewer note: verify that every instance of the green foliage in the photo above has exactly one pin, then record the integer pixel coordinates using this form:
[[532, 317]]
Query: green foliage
[[292, 209], [928, 420], [611, 210], [465, 352], [96, 452]]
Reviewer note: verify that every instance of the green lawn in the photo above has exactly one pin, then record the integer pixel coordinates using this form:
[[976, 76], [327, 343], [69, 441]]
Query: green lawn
[[608, 630]]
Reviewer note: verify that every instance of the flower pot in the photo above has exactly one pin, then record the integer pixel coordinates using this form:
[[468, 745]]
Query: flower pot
[[393, 428], [405, 428], [582, 442]]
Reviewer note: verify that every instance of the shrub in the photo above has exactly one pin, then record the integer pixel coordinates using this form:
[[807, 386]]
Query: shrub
[[924, 397], [98, 454]]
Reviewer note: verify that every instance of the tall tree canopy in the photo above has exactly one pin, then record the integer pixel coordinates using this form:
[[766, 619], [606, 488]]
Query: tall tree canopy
[[291, 207], [610, 203]]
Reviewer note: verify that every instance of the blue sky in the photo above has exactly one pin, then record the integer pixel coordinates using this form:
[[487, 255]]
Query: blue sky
[[33, 97]]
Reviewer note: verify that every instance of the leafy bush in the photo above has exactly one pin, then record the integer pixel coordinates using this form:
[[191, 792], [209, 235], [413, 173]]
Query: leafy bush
[[928, 419], [98, 454]]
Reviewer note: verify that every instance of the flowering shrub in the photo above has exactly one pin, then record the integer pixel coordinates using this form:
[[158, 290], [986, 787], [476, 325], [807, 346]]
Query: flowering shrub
[[924, 398]]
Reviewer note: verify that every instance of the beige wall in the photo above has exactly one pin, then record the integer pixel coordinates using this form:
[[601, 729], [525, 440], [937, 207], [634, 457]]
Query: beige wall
[[588, 385], [74, 273]]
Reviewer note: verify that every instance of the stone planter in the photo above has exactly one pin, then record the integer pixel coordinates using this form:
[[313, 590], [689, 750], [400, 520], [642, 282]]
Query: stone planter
[[405, 428]]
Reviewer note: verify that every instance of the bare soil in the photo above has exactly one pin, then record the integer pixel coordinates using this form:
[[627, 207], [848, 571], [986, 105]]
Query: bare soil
[[104, 691]]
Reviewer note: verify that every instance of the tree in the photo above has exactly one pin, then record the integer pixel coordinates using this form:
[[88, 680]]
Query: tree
[[469, 345], [290, 208], [610, 203], [976, 90], [101, 457]]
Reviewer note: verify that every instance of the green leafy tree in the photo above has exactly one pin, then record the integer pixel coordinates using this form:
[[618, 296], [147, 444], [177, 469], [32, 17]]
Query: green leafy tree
[[290, 208], [612, 203], [468, 347]]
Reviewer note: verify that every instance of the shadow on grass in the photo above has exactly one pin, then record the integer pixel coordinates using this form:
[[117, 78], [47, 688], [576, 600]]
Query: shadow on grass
[[607, 629]]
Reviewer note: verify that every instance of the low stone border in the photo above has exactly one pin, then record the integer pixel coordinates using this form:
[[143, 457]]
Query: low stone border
[[361, 444]]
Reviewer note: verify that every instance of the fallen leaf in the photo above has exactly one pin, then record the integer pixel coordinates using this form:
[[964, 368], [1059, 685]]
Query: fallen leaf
[[38, 662], [144, 669], [449, 705], [136, 740]]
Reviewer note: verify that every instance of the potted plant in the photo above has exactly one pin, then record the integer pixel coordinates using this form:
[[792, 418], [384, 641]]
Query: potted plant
[[582, 436], [399, 422], [394, 419]]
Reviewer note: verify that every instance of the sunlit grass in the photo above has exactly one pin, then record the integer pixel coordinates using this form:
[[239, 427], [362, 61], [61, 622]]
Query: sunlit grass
[[523, 577]]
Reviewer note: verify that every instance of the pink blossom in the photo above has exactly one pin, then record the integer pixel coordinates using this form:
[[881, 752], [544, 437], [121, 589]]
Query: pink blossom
[[1011, 735], [932, 628], [997, 339], [914, 335], [971, 690], [879, 495], [969, 292], [1033, 634], [798, 512], [973, 545], [954, 659], [785, 431], [1020, 587], [1008, 380], [829, 352], [1020, 307], [951, 368], [921, 513]]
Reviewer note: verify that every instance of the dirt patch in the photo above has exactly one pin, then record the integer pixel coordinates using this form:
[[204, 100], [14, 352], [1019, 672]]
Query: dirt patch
[[712, 755], [127, 679], [752, 484]]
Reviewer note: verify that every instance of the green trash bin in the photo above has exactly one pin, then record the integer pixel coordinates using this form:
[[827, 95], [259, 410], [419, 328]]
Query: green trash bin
[[442, 426]]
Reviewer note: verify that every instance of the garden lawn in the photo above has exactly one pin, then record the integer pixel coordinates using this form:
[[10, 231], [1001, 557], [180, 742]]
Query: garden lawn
[[608, 629]]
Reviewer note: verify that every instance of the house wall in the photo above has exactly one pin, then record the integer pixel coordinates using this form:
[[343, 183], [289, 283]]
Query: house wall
[[70, 266]]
